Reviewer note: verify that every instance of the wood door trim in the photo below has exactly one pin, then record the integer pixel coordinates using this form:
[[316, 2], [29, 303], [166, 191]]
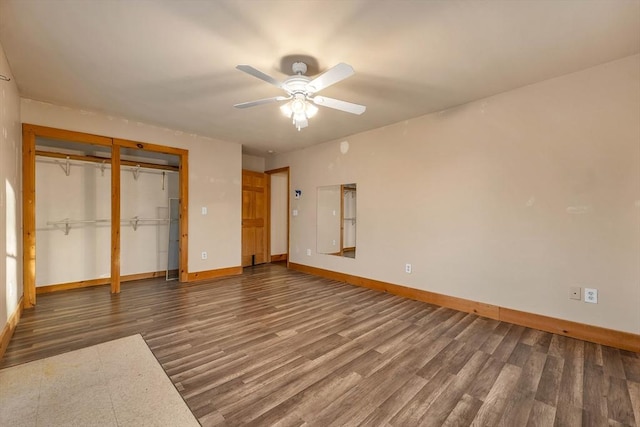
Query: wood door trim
[[29, 134], [183, 206], [149, 147], [341, 219], [278, 170], [115, 219], [28, 216], [67, 135], [98, 159]]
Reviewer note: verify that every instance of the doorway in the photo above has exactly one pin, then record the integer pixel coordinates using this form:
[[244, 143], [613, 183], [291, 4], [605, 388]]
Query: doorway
[[279, 214]]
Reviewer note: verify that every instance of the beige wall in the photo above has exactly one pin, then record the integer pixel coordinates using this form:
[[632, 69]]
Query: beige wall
[[214, 176], [509, 200], [253, 163], [328, 219], [10, 194]]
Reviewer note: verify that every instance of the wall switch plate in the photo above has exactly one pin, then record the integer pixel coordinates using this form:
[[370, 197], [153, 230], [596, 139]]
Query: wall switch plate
[[308, 252], [407, 268], [575, 293], [204, 255], [295, 212], [204, 210], [591, 295]]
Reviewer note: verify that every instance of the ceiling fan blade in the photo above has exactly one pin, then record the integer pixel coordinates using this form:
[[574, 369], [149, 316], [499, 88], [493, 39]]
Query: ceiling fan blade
[[331, 76], [261, 101], [259, 74], [339, 105]]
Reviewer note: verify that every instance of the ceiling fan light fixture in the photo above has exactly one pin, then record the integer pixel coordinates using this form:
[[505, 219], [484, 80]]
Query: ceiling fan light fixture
[[311, 110], [298, 105], [286, 109], [299, 110]]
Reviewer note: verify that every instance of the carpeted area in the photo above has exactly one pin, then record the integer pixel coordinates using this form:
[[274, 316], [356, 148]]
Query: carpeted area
[[117, 383]]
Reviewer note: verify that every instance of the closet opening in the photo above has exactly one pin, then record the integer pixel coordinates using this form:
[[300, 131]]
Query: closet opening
[[100, 210]]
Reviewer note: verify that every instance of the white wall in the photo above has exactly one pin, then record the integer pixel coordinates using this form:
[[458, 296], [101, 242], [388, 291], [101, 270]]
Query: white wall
[[10, 194], [509, 200], [215, 176]]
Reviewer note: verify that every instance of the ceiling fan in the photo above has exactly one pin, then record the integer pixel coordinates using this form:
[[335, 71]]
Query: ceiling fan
[[301, 92]]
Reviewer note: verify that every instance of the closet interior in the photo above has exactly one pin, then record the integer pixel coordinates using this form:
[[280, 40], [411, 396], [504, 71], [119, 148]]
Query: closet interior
[[91, 227]]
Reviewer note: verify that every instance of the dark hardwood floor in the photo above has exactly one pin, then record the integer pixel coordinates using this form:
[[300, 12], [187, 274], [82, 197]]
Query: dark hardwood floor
[[275, 346]]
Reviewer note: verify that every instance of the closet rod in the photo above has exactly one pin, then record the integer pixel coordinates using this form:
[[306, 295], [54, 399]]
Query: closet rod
[[69, 222], [133, 221], [98, 159], [88, 221], [77, 221]]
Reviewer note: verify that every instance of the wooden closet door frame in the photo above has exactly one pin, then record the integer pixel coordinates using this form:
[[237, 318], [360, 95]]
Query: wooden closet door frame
[[269, 173], [29, 134]]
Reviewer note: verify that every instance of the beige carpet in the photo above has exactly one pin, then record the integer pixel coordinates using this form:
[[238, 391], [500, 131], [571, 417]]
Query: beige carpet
[[117, 383]]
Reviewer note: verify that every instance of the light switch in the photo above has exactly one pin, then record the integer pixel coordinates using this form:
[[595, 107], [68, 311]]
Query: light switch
[[295, 212], [204, 210]]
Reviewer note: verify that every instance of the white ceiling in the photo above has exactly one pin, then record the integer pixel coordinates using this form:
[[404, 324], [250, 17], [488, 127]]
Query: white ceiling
[[172, 63]]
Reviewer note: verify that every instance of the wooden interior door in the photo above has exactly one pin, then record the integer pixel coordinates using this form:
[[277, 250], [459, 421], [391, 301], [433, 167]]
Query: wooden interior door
[[254, 218]]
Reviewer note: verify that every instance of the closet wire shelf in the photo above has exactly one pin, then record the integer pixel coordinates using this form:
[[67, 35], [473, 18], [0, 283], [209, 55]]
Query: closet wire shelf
[[66, 223]]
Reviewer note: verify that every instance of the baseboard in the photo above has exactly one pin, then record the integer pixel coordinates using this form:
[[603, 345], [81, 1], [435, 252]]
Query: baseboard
[[582, 331], [596, 334], [281, 257], [10, 327], [96, 282], [212, 274]]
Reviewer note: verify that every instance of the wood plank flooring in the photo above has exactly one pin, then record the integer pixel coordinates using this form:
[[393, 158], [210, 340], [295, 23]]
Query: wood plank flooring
[[275, 346]]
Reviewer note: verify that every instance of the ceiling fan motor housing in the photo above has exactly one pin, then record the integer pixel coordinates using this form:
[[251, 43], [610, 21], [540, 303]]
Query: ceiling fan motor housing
[[299, 68]]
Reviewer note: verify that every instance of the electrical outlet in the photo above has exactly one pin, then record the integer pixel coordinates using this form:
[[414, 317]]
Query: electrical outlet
[[204, 255], [591, 295], [575, 293], [407, 268], [308, 252]]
